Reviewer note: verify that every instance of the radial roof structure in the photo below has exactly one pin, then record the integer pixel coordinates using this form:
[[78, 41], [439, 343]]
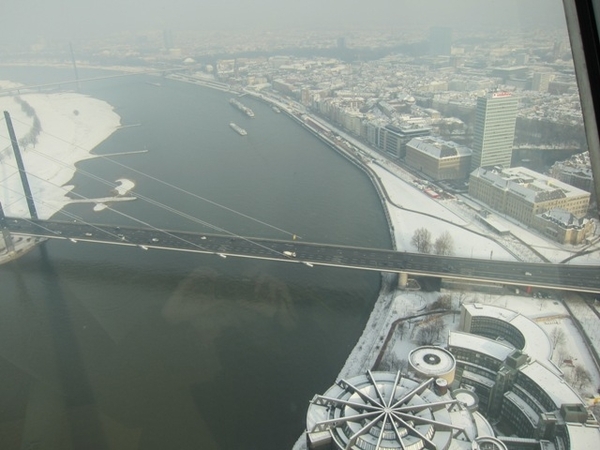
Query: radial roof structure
[[383, 410]]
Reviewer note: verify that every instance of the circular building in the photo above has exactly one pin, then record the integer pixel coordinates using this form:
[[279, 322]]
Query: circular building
[[429, 361], [384, 410], [488, 443], [468, 398]]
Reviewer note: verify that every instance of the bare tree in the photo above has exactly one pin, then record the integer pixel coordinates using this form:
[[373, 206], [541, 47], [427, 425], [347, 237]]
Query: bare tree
[[400, 329], [422, 240], [425, 335], [562, 356], [444, 244], [439, 327], [443, 301], [557, 337], [431, 332], [581, 376]]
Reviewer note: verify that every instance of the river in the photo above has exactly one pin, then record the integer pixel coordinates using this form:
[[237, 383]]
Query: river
[[107, 347]]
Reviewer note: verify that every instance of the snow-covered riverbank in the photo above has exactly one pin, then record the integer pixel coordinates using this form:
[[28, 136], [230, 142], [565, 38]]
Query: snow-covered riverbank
[[71, 125]]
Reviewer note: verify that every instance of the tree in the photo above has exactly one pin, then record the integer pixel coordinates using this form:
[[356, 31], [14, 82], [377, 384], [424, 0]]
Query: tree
[[581, 376], [431, 332], [443, 301], [400, 329], [439, 326], [444, 244], [557, 337], [562, 356], [425, 335], [422, 240]]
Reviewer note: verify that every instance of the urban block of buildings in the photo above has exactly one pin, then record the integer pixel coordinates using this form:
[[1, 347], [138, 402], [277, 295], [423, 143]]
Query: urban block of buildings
[[438, 159], [494, 388], [505, 359], [576, 171], [554, 208]]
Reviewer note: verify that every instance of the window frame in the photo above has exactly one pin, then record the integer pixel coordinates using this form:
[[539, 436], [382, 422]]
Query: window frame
[[582, 26]]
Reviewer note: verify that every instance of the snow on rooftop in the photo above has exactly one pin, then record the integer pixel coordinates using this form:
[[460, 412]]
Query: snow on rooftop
[[439, 148], [495, 349], [537, 344], [531, 185], [479, 309], [555, 386], [583, 436]]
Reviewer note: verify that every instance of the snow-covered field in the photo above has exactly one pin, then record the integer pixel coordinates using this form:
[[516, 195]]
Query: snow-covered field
[[411, 209], [71, 126]]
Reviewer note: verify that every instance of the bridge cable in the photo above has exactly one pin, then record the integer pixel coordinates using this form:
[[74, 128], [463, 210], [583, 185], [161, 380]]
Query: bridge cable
[[177, 188], [168, 208], [153, 202], [71, 215]]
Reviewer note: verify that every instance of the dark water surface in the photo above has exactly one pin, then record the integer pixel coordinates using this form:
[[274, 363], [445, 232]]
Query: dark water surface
[[107, 347]]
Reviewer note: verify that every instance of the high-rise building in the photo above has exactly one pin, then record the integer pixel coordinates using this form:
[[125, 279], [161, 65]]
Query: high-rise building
[[494, 131], [541, 81]]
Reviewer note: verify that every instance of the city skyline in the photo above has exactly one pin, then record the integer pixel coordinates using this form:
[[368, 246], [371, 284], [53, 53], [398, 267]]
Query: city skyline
[[119, 328], [71, 19]]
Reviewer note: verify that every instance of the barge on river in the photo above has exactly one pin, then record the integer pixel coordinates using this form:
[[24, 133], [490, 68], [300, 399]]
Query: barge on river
[[239, 129]]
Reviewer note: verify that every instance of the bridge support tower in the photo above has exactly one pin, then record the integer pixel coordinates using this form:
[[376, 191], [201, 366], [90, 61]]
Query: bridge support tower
[[402, 280], [7, 245], [21, 166]]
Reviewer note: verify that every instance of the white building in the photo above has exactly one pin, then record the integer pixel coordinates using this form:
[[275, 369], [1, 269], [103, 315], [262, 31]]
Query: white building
[[494, 131]]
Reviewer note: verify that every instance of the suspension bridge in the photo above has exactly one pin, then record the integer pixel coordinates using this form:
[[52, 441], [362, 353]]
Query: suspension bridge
[[224, 244]]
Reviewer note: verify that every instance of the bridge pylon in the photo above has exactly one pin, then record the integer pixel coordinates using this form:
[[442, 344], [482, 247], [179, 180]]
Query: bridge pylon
[[9, 246], [402, 280], [21, 166]]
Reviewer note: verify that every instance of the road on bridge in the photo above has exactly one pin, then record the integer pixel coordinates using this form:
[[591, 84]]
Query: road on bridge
[[543, 275]]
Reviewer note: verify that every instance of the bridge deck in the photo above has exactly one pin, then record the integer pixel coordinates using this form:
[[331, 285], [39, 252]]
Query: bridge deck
[[543, 275]]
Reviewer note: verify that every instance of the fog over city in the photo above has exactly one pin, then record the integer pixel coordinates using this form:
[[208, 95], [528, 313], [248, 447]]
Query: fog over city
[[296, 225], [77, 19]]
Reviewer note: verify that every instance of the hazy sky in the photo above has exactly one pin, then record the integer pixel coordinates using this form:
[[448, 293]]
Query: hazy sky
[[73, 19]]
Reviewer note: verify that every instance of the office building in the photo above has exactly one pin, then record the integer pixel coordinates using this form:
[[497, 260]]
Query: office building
[[552, 207], [495, 374], [393, 139], [576, 171], [541, 81], [504, 359], [494, 131], [438, 159]]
